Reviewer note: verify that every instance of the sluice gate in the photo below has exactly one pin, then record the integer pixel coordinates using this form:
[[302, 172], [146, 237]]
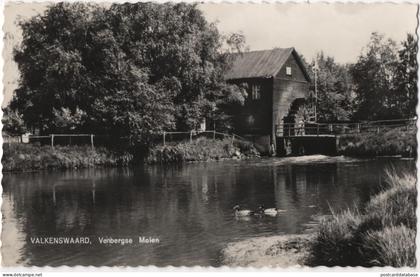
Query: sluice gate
[[306, 145]]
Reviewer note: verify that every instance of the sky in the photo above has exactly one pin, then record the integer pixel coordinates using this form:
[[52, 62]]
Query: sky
[[340, 30]]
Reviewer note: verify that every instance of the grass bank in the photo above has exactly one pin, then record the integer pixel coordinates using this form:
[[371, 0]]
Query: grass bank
[[396, 141], [201, 149], [382, 233], [28, 157]]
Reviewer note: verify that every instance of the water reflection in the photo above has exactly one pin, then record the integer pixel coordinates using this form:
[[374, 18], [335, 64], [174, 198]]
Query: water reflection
[[189, 208]]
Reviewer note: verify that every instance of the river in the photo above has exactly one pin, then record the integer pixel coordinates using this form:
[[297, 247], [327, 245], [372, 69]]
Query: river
[[187, 208]]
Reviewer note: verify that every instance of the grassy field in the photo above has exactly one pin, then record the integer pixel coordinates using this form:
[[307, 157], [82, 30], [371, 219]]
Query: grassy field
[[28, 157], [380, 234], [202, 149], [397, 141]]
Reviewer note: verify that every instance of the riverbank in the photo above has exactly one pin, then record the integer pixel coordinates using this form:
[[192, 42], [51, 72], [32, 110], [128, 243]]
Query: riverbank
[[275, 251], [19, 157], [28, 157], [398, 141], [201, 149], [382, 233]]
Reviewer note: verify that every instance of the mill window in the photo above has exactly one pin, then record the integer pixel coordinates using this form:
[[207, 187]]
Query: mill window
[[288, 71], [255, 92]]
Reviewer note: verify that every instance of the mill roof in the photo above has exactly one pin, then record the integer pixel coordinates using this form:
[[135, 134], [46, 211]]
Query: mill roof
[[263, 63]]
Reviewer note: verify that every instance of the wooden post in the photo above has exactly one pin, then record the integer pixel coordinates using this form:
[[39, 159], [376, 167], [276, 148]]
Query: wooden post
[[317, 129], [377, 130], [233, 138], [331, 128], [191, 137], [164, 139], [91, 141], [52, 141], [358, 127], [214, 134]]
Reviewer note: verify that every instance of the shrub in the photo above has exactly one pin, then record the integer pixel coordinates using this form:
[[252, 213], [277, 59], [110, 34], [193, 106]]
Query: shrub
[[28, 157], [397, 204], [334, 243], [393, 246], [201, 149], [396, 141], [381, 234]]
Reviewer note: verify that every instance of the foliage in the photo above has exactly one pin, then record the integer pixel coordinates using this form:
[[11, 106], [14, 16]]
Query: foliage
[[404, 99], [381, 234], [13, 122], [393, 246], [334, 89], [397, 141], [201, 149], [28, 157], [385, 79], [334, 244], [66, 120], [127, 70]]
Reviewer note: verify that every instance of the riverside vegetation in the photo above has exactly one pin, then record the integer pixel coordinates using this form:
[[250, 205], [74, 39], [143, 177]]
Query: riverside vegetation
[[22, 157], [398, 141], [29, 157], [202, 149], [382, 233]]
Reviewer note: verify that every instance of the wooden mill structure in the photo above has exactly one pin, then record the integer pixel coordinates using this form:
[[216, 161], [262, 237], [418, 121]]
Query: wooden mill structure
[[277, 84]]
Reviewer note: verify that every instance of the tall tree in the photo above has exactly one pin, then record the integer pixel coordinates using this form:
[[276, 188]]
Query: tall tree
[[404, 99], [334, 89], [129, 70], [374, 78]]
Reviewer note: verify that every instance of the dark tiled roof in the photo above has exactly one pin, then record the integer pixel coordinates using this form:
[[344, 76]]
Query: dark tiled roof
[[265, 63]]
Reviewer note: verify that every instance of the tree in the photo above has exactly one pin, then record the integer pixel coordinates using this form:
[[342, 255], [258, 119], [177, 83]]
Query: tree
[[374, 79], [334, 89], [386, 79], [404, 98], [128, 70]]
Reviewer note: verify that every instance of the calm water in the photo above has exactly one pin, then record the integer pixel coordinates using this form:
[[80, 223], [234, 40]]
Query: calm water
[[189, 208]]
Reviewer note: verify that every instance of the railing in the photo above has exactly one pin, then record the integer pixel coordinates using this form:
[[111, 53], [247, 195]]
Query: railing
[[69, 139], [334, 129], [191, 135], [93, 140]]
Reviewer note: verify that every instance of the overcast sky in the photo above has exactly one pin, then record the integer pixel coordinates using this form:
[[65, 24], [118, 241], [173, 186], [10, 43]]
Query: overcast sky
[[340, 30]]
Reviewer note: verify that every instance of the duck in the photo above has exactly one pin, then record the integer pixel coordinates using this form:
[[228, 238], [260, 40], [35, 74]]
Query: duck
[[269, 211], [240, 212]]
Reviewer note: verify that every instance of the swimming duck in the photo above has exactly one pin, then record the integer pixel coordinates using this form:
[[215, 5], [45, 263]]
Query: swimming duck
[[239, 212], [269, 211]]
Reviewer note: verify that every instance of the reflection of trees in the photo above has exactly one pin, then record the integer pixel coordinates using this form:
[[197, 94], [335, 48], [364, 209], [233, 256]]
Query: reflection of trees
[[188, 207], [168, 202]]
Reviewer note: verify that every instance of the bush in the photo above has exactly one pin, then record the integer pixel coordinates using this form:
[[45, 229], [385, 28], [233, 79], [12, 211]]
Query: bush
[[397, 141], [381, 234], [201, 149], [393, 246], [334, 244], [28, 157], [397, 204]]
